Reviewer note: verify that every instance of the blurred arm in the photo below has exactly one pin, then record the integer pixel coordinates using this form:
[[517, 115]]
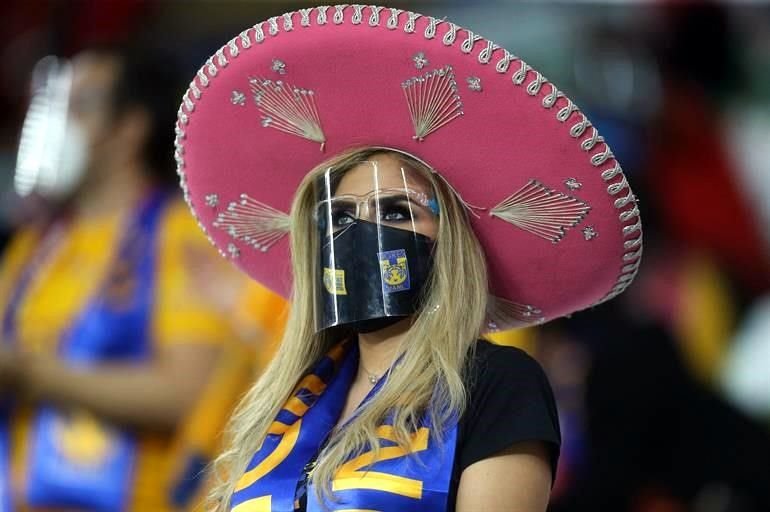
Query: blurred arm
[[155, 395], [190, 329]]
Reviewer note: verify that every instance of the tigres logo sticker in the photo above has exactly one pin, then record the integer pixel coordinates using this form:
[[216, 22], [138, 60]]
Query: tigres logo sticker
[[395, 271], [334, 281]]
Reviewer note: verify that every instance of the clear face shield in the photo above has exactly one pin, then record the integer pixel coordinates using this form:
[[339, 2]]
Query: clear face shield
[[53, 150], [376, 223]]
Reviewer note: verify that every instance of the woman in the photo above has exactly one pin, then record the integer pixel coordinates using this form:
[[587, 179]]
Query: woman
[[497, 206], [110, 340]]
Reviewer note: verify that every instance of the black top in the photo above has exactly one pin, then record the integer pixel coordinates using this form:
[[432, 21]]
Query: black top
[[510, 401]]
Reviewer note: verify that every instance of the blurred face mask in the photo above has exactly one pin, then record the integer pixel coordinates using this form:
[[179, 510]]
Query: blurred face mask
[[376, 225], [53, 149]]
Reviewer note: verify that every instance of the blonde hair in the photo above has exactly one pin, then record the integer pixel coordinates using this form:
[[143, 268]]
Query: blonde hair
[[428, 378]]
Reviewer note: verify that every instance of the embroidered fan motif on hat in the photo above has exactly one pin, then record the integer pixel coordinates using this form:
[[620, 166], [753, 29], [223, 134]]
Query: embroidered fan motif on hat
[[253, 222], [287, 108], [433, 101], [503, 314], [541, 211]]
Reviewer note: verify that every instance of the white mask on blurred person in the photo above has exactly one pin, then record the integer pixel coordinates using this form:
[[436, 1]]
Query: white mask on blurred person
[[53, 150]]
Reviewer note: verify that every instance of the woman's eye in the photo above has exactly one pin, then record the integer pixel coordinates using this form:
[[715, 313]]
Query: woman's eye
[[396, 213], [342, 218]]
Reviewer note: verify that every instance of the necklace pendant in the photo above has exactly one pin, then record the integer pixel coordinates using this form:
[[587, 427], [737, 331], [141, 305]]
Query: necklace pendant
[[372, 379]]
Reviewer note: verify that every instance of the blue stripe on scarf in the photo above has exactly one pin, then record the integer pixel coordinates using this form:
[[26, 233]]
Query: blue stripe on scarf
[[5, 476]]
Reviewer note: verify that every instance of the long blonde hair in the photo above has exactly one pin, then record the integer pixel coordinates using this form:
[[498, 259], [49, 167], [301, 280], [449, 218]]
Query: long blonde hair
[[428, 378]]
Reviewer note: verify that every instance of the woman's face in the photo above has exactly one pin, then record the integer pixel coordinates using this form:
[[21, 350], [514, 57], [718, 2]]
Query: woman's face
[[404, 198]]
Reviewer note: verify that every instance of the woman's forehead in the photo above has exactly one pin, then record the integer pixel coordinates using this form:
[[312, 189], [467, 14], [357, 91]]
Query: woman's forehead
[[382, 171]]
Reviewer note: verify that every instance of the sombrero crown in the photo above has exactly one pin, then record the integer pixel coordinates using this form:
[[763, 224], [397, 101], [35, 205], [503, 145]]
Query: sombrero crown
[[552, 208]]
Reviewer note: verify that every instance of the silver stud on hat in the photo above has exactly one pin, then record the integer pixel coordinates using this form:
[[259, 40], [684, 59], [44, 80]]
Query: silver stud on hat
[[589, 233], [474, 83], [573, 184], [212, 200], [420, 61], [278, 66], [238, 98]]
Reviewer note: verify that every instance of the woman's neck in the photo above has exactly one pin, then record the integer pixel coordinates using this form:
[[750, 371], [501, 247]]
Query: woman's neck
[[112, 191], [379, 349]]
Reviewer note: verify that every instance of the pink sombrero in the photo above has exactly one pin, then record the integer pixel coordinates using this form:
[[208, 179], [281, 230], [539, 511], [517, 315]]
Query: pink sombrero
[[545, 195]]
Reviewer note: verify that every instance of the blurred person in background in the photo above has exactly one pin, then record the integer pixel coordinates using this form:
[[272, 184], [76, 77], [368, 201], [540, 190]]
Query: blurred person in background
[[659, 435], [117, 364], [745, 376]]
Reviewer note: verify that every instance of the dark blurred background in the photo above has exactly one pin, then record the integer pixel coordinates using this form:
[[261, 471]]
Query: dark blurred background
[[664, 393]]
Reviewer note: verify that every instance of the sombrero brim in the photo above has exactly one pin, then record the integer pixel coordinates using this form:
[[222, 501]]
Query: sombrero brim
[[547, 199]]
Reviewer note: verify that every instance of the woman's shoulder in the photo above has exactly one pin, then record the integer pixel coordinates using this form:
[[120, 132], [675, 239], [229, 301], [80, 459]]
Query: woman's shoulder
[[509, 401], [487, 349], [506, 385], [492, 362]]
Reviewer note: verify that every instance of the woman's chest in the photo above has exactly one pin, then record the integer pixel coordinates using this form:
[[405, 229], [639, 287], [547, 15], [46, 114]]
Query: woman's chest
[[358, 393]]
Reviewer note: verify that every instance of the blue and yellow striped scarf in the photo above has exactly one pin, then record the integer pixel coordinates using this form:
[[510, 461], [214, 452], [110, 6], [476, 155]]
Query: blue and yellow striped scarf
[[396, 480]]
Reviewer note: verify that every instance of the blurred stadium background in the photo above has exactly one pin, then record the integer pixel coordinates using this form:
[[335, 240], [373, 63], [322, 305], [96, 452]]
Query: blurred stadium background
[[664, 394]]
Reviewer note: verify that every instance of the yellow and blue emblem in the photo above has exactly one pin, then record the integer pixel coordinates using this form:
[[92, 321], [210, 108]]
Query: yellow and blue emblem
[[395, 271], [334, 281]]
